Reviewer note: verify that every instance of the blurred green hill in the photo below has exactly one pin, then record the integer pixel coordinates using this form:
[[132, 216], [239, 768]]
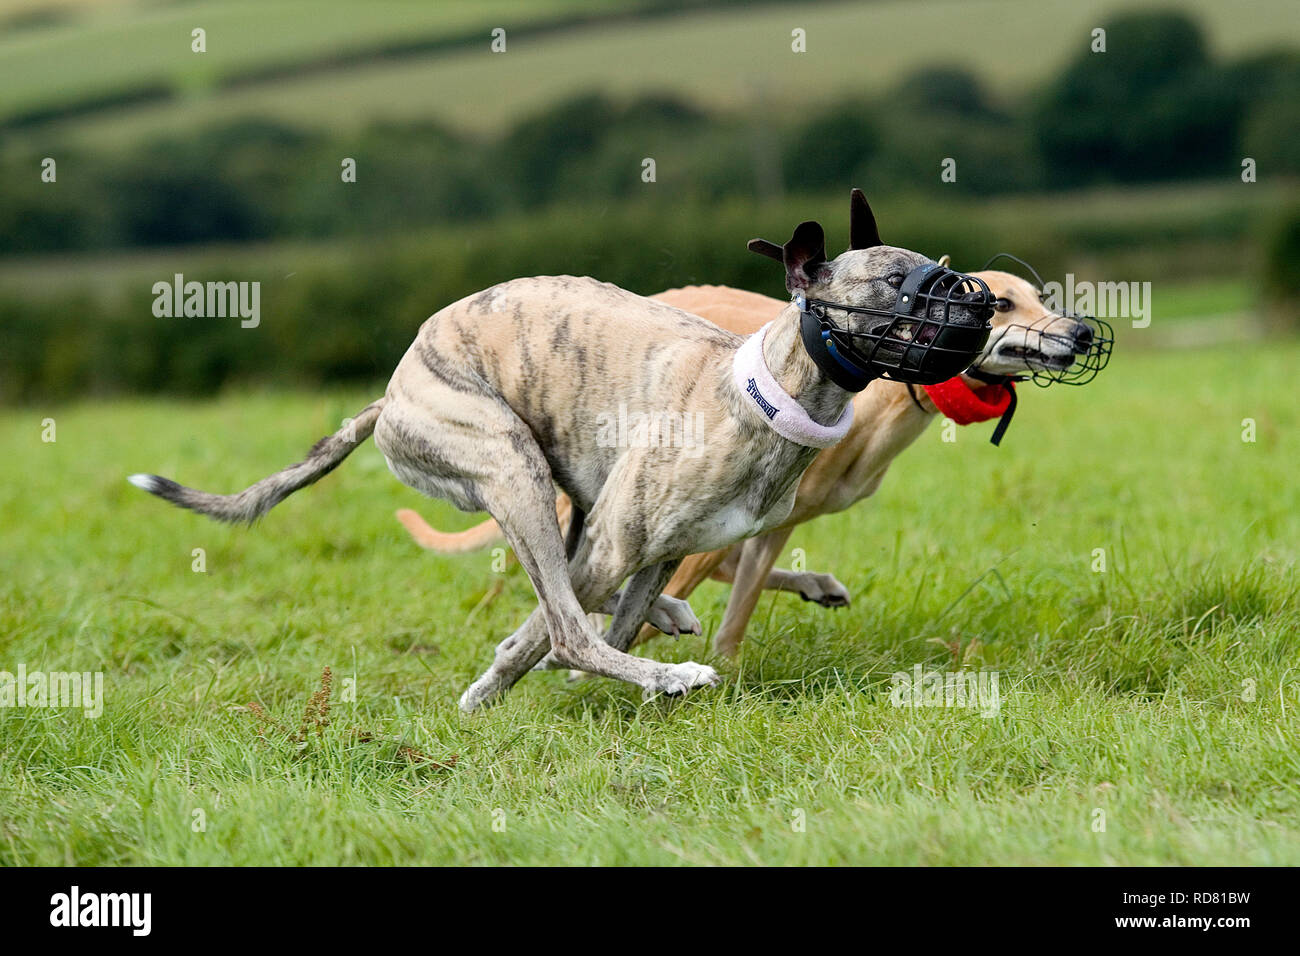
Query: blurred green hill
[[474, 167], [1156, 106], [334, 64]]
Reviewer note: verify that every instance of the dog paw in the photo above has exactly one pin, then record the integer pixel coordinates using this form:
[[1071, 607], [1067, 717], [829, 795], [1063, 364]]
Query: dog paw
[[673, 616], [676, 679], [482, 691], [823, 589]]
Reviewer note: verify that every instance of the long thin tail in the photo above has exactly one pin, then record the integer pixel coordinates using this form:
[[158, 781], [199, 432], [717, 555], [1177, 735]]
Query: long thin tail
[[471, 539], [449, 542], [251, 503]]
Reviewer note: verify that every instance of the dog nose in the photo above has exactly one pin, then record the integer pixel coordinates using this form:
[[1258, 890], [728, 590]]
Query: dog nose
[[1082, 338]]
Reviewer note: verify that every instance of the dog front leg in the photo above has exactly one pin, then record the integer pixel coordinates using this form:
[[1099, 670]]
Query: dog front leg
[[573, 534], [823, 589], [690, 574], [642, 591], [572, 639], [665, 614], [597, 569]]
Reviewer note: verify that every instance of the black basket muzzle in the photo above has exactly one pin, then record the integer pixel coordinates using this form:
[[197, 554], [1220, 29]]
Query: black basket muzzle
[[923, 343]]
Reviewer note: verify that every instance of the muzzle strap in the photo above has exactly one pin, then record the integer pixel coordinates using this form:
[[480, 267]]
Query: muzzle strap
[[819, 345], [1005, 421]]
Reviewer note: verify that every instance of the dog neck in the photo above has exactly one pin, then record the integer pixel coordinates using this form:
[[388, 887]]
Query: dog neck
[[799, 376], [796, 372], [781, 411]]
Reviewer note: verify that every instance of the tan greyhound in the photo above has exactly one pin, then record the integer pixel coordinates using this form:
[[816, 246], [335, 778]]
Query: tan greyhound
[[505, 395], [1027, 337]]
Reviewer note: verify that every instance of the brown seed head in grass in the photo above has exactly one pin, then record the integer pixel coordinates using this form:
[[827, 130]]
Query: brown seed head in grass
[[316, 713]]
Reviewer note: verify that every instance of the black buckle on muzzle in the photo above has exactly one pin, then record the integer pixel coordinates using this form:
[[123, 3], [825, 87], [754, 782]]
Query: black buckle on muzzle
[[922, 345]]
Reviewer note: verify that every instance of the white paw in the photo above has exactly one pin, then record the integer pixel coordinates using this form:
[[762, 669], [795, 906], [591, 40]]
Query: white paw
[[676, 679], [823, 589], [673, 616], [483, 691]]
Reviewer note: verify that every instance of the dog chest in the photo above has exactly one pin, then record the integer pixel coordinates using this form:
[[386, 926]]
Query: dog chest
[[725, 526], [740, 519]]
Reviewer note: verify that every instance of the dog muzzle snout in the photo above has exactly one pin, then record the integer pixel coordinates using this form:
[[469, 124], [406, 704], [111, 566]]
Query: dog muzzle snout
[[1082, 354], [938, 326]]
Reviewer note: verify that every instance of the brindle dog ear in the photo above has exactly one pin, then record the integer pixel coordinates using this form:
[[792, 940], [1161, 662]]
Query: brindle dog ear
[[804, 254], [863, 233]]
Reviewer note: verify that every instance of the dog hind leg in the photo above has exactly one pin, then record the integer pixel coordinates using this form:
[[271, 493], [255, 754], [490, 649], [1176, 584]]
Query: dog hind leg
[[540, 550], [756, 560]]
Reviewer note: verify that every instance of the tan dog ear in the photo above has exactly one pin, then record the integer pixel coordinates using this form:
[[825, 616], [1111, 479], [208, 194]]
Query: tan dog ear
[[944, 260], [863, 233]]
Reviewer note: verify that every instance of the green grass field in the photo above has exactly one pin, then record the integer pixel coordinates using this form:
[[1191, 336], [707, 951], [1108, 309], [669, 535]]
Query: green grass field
[[1159, 696]]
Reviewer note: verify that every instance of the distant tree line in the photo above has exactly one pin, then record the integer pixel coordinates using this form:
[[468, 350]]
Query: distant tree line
[[1154, 107]]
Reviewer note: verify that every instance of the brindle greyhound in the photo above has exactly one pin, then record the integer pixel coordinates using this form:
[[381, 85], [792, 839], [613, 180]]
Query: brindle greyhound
[[888, 417], [496, 402]]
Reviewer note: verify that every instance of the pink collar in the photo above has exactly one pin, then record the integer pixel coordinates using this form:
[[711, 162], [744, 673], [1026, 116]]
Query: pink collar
[[761, 392]]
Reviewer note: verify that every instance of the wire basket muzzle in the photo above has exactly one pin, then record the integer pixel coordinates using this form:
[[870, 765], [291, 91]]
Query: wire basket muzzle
[[1091, 350], [939, 326]]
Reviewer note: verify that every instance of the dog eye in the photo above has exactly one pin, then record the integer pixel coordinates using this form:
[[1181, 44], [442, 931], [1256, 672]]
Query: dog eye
[[896, 280], [1003, 305]]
